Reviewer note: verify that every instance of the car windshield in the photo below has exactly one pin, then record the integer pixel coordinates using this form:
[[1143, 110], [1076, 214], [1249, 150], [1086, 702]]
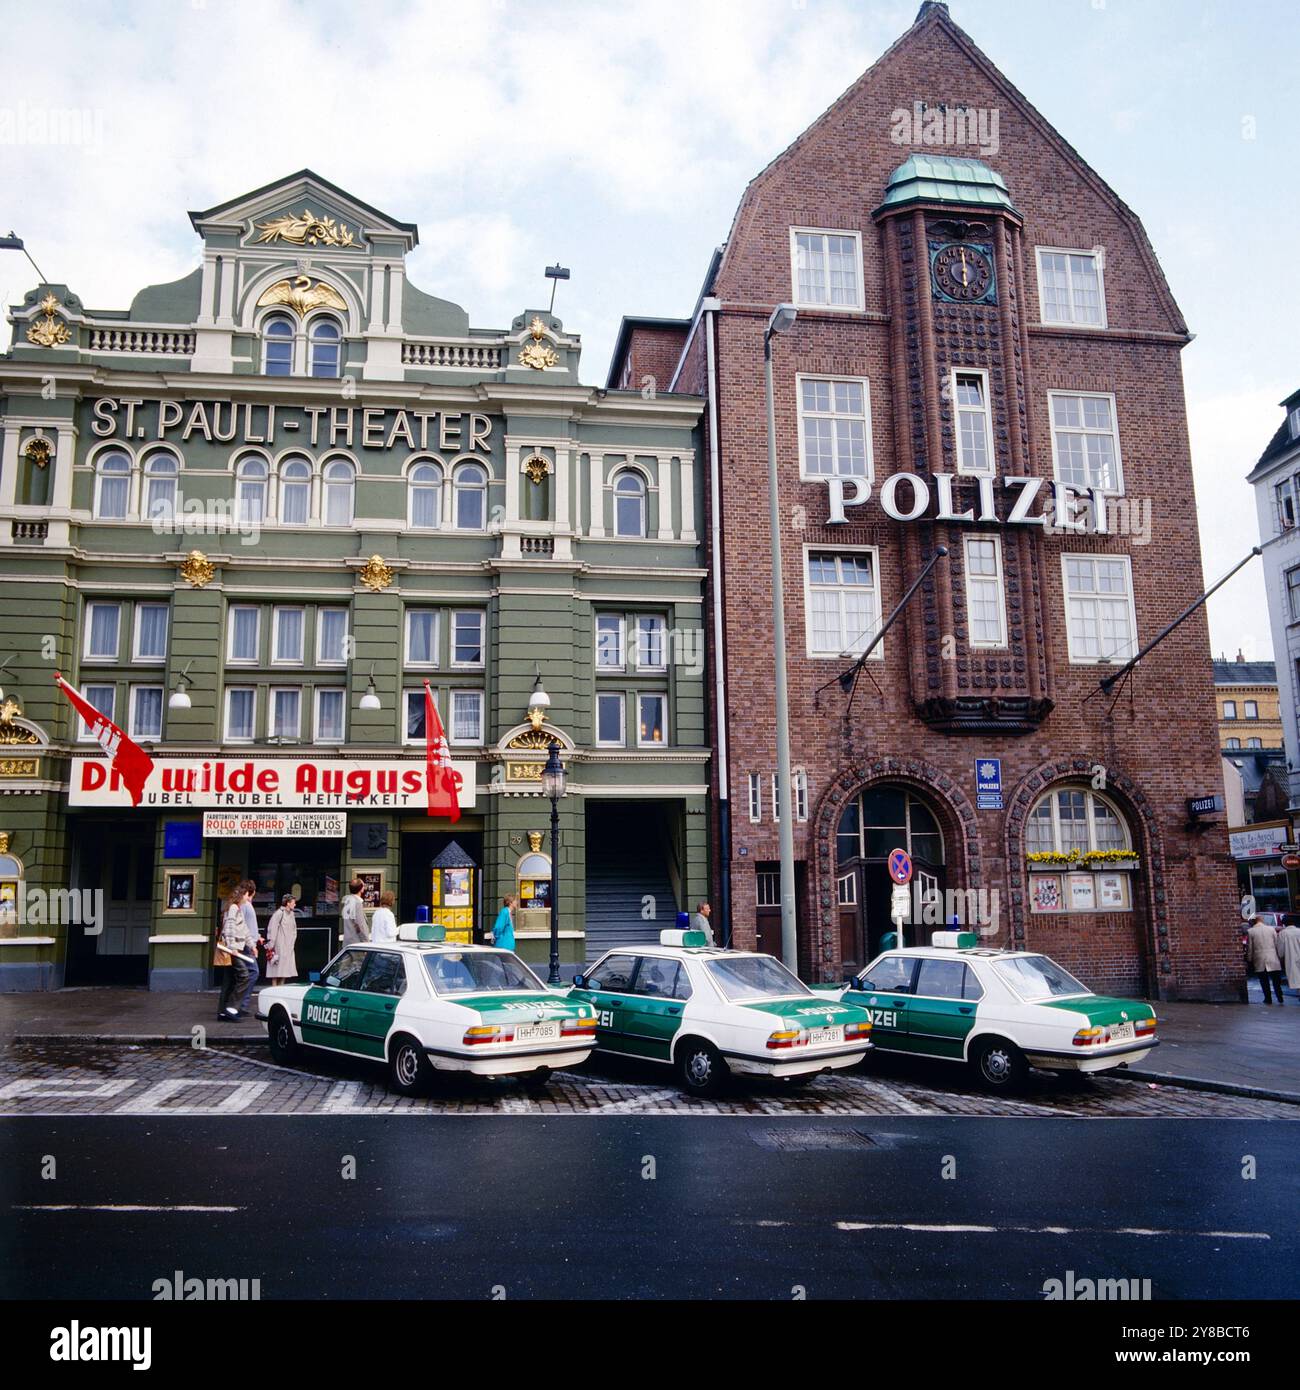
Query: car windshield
[[472, 972], [1036, 977], [755, 977]]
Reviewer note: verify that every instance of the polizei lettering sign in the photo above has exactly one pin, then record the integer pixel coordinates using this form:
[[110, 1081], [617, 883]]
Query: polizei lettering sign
[[1008, 500], [268, 783]]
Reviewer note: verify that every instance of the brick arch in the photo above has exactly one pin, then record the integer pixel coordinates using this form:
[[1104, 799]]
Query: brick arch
[[956, 817], [1143, 825]]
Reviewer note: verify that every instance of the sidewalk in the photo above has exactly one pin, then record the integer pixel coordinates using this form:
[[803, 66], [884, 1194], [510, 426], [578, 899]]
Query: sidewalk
[[1242, 1049]]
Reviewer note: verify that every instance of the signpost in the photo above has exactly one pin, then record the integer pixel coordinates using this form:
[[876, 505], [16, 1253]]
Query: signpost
[[900, 870], [988, 784]]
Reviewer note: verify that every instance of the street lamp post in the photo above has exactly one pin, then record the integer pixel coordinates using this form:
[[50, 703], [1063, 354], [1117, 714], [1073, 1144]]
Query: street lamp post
[[783, 317], [553, 780]]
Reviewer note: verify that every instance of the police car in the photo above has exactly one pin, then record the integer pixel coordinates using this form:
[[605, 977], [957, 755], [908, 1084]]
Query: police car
[[1000, 1012], [709, 1012], [425, 1005]]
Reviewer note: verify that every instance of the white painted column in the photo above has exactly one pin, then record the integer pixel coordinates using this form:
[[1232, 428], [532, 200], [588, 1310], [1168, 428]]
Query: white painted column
[[564, 460], [9, 469], [61, 493], [226, 312], [208, 306], [596, 493], [665, 496], [512, 484], [686, 481], [396, 281]]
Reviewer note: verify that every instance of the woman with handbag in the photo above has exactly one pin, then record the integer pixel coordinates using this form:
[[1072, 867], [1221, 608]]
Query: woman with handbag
[[281, 935], [222, 960]]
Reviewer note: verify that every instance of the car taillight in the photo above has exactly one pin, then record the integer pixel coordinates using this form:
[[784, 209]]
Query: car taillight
[[1146, 1025], [488, 1034], [787, 1037], [575, 1027], [1087, 1037], [857, 1030]]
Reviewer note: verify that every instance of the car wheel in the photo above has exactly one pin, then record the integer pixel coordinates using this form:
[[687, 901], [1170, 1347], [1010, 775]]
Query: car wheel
[[408, 1066], [998, 1064], [701, 1068], [279, 1032], [536, 1081]]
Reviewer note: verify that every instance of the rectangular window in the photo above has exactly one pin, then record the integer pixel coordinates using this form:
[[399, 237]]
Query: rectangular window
[[422, 637], [755, 797], [651, 644], [101, 697], [1293, 593], [245, 625], [1251, 710], [103, 631], [331, 636], [1101, 623], [985, 604], [970, 399], [286, 712], [146, 711], [413, 727], [1230, 709], [330, 706], [1284, 501], [466, 716], [843, 603], [652, 720], [286, 640], [1085, 442], [609, 642], [611, 710], [1293, 421], [767, 884], [150, 632], [834, 427], [467, 638], [1070, 287], [846, 890], [241, 707], [826, 268], [800, 795]]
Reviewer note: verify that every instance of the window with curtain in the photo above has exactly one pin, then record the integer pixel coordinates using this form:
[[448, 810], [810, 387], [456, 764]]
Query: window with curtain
[[250, 489], [277, 346], [326, 342], [469, 495], [629, 505], [151, 632], [160, 478], [329, 715], [331, 636], [112, 485], [295, 492], [102, 632], [424, 488], [340, 482]]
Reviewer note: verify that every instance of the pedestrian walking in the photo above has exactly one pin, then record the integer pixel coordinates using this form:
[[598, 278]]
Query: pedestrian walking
[[281, 938], [1261, 953], [383, 925], [242, 946], [223, 964], [353, 912], [1288, 951], [700, 921], [503, 929]]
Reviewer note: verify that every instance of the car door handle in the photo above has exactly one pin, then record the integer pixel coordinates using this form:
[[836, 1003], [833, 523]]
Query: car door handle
[[391, 1005], [675, 1010], [965, 1008], [343, 999], [615, 1003]]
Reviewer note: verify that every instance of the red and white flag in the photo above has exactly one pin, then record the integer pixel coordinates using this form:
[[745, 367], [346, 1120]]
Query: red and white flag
[[440, 777], [130, 761]]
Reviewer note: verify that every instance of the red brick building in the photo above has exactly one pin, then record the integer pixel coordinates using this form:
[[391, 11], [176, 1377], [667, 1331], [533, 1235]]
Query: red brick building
[[986, 357]]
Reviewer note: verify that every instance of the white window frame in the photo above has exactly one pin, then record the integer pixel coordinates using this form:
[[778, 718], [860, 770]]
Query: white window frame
[[151, 476], [621, 697], [1255, 742], [418, 741], [1233, 745], [83, 732], [242, 478], [652, 695], [1293, 421], [136, 657], [643, 502], [1284, 504], [326, 483], [621, 620], [799, 789], [824, 305], [1230, 709], [227, 736], [662, 622], [769, 880], [133, 729], [283, 484], [317, 735], [97, 513], [1090, 799], [1118, 489], [459, 487], [814, 653], [412, 487], [86, 654], [271, 730], [802, 415], [999, 579], [1291, 579], [436, 615], [459, 692], [986, 414], [1094, 253], [257, 635], [1250, 709], [276, 612], [481, 615], [321, 658], [755, 798], [265, 339], [1127, 561], [846, 890]]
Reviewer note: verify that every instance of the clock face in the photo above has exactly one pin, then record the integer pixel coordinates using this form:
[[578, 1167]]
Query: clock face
[[963, 272]]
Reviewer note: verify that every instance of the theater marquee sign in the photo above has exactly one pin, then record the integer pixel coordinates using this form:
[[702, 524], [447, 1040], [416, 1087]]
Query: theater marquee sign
[[269, 784]]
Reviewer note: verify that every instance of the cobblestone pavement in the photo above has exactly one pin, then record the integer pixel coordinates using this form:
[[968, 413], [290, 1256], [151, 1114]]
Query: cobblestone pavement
[[127, 1079]]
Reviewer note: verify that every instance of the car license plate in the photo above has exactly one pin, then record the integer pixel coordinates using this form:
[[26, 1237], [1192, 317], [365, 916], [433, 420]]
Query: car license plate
[[825, 1035], [536, 1032], [1122, 1032]]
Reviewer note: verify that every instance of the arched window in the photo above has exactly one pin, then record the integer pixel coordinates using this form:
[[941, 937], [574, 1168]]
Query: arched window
[[340, 481], [325, 345], [1233, 743], [629, 505], [1072, 820], [11, 888], [160, 474], [250, 489], [469, 495], [425, 495], [277, 346], [295, 492], [112, 485]]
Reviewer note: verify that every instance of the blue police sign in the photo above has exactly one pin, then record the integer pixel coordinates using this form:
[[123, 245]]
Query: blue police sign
[[988, 784]]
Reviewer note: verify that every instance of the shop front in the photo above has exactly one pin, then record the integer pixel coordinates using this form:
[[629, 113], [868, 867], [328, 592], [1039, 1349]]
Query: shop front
[[1258, 851]]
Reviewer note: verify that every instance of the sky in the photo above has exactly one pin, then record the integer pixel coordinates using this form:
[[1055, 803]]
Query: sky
[[617, 138]]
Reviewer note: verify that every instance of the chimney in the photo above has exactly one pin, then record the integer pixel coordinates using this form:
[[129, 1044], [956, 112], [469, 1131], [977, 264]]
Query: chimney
[[1241, 656], [927, 7]]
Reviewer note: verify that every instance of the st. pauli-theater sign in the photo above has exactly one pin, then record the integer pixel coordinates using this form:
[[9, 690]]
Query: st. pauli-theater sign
[[269, 783]]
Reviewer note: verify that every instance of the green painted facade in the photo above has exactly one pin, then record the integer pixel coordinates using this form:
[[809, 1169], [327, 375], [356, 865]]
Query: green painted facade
[[195, 373]]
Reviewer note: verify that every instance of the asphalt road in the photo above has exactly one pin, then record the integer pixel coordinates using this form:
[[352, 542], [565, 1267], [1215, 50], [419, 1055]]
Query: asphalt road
[[445, 1206]]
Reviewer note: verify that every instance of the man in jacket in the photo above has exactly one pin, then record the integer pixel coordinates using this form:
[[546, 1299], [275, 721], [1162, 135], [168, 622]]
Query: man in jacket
[[1262, 958], [1288, 950], [353, 912]]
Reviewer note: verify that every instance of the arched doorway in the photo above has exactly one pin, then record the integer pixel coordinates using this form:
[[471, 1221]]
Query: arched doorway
[[879, 819]]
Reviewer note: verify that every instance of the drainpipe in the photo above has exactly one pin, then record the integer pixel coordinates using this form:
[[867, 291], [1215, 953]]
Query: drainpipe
[[710, 309]]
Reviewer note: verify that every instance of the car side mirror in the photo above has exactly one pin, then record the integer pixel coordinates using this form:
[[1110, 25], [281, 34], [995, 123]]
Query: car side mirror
[[314, 977], [577, 982]]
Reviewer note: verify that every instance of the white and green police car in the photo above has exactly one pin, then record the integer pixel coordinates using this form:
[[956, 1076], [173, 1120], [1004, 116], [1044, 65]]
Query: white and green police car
[[1000, 1012], [710, 1012], [425, 1005]]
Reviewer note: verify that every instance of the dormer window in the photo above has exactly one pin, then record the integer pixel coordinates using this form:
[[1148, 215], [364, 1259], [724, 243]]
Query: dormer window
[[1284, 497], [277, 346], [325, 343], [1293, 420]]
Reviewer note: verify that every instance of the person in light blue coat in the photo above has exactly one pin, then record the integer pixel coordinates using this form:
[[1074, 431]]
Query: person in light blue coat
[[503, 929]]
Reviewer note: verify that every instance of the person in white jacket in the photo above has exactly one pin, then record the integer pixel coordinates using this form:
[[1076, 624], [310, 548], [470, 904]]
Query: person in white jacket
[[1288, 950], [281, 938], [383, 925]]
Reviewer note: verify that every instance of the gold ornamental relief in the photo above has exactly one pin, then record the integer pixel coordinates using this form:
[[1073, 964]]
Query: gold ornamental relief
[[38, 451], [11, 732], [307, 230], [537, 354], [375, 575], [49, 331], [535, 841], [197, 570], [300, 295], [536, 468]]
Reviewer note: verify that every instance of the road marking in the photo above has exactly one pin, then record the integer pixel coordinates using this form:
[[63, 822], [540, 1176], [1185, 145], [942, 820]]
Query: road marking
[[622, 1107], [890, 1096], [257, 1062], [119, 1206], [342, 1098], [926, 1227], [242, 1095], [46, 1086]]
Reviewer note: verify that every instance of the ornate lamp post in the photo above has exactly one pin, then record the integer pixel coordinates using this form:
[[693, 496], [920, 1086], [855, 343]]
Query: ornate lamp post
[[553, 785]]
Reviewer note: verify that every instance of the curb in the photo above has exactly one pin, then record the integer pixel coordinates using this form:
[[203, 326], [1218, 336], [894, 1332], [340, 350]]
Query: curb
[[136, 1039], [1226, 1088]]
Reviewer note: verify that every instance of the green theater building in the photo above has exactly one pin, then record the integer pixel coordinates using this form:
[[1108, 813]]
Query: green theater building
[[249, 517]]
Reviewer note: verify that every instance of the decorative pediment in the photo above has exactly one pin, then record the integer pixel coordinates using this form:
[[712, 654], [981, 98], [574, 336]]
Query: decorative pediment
[[523, 738], [17, 732]]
